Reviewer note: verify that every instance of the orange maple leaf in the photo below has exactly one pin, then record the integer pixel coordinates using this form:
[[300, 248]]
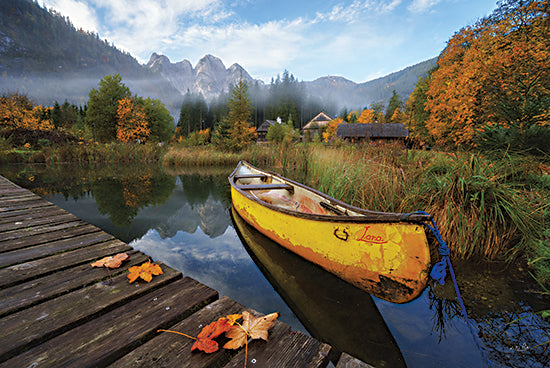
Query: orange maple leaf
[[112, 261], [145, 271], [205, 338], [253, 327]]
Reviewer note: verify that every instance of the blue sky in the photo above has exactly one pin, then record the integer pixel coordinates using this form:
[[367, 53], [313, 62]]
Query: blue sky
[[356, 39]]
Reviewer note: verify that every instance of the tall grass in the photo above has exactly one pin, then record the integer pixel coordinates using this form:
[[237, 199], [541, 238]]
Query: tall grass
[[484, 209]]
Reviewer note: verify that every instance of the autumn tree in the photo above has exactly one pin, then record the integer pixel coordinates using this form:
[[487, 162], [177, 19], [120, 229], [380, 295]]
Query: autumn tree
[[132, 125], [17, 111], [103, 107], [330, 131], [367, 116], [493, 75]]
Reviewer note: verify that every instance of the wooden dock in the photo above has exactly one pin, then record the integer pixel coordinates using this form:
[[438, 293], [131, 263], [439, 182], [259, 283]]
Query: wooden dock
[[56, 310]]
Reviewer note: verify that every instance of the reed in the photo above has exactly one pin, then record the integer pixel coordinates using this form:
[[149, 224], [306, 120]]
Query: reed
[[484, 209]]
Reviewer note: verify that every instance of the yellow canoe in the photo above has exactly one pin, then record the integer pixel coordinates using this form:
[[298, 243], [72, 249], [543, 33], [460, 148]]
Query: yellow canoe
[[385, 254], [332, 310]]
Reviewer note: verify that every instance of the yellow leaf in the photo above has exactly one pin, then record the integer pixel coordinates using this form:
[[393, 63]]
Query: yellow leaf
[[145, 271], [253, 327]]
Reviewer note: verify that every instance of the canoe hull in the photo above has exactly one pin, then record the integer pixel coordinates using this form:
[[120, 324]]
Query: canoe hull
[[388, 259]]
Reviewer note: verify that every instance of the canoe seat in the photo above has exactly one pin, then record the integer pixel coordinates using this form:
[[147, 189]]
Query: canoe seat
[[288, 187], [249, 176]]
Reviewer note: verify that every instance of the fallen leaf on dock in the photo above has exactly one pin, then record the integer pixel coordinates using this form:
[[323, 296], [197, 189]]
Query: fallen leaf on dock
[[205, 338], [145, 271], [253, 327], [111, 261]]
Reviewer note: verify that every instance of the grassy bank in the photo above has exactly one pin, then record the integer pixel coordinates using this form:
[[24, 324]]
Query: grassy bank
[[85, 153]]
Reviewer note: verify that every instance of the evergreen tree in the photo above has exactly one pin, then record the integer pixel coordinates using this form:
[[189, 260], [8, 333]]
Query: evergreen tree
[[240, 132], [394, 104]]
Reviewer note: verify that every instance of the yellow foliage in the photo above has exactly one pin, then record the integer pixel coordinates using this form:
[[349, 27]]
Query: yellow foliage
[[132, 124], [330, 131], [367, 116]]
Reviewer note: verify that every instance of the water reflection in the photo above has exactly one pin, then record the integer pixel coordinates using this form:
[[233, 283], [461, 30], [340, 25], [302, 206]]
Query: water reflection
[[183, 219]]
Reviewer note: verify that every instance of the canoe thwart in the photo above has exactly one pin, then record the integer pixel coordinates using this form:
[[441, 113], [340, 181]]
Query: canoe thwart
[[288, 187], [249, 176]]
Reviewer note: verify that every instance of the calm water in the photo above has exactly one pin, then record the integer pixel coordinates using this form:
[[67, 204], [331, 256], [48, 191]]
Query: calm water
[[184, 220]]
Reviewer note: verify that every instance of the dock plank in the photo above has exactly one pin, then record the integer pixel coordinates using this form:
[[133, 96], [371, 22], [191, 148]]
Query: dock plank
[[18, 216], [30, 327], [43, 250], [10, 237], [285, 348], [171, 350], [105, 339], [67, 232], [27, 223], [32, 292], [23, 272]]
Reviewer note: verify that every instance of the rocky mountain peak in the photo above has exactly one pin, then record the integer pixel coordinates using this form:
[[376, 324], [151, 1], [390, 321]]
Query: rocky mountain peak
[[209, 77]]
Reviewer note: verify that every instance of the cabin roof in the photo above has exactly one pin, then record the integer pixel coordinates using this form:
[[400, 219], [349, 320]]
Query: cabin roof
[[265, 125], [318, 121], [375, 130]]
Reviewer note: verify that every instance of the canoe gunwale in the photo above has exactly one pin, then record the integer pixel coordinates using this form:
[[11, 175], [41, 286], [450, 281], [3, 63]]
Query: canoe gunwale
[[366, 215]]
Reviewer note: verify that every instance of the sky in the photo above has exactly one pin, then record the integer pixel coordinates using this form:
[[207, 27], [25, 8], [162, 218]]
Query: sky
[[356, 39]]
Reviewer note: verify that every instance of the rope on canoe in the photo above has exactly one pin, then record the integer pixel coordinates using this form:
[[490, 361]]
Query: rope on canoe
[[439, 272]]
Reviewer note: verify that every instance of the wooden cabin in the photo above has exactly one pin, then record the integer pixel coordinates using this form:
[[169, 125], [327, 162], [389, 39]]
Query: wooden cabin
[[374, 133], [315, 127], [261, 131]]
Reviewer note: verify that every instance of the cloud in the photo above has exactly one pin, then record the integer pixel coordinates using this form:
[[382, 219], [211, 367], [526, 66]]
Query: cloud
[[79, 12], [422, 6]]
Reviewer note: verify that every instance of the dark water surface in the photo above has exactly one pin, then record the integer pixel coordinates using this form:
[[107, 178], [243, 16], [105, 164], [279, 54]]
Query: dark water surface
[[184, 220]]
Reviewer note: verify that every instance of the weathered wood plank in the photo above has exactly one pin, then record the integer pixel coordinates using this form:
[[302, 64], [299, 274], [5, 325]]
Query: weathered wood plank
[[49, 211], [9, 191], [36, 291], [23, 272], [8, 214], [66, 231], [347, 361], [43, 250], [25, 224], [285, 348], [108, 337], [171, 350], [20, 204], [30, 327]]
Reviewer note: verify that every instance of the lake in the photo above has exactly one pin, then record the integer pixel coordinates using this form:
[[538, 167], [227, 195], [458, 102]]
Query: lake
[[184, 220]]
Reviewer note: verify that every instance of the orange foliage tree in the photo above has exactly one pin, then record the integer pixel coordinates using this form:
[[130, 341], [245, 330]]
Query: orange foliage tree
[[16, 111], [368, 116], [496, 72], [330, 130], [132, 124]]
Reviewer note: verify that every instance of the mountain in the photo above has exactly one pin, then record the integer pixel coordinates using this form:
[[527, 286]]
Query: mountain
[[209, 77], [45, 57], [344, 92]]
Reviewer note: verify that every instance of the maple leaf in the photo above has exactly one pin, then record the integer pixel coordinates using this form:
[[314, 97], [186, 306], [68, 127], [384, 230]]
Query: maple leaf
[[145, 271], [253, 327], [204, 341], [111, 261], [205, 338]]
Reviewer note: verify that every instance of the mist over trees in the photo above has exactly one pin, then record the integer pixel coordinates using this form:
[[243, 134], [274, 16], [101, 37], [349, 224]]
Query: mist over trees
[[284, 97]]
